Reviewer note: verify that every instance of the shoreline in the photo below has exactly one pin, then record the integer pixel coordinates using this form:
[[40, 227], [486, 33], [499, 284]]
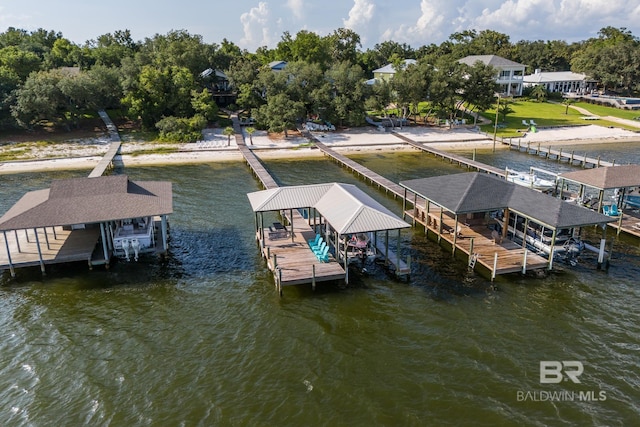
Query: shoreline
[[214, 148]]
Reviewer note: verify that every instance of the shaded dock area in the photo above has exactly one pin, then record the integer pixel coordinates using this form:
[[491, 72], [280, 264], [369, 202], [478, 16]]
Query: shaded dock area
[[45, 246], [498, 256], [290, 258]]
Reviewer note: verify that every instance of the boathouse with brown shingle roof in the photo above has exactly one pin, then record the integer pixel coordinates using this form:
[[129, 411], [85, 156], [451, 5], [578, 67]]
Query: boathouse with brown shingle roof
[[75, 220]]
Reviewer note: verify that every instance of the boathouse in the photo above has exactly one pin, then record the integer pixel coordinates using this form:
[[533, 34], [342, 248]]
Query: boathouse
[[618, 193], [503, 226], [333, 213], [86, 219]]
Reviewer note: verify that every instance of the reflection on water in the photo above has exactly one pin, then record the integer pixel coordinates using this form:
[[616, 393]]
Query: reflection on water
[[203, 338]]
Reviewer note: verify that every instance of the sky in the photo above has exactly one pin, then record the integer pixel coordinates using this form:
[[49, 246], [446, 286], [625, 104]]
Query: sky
[[251, 24]]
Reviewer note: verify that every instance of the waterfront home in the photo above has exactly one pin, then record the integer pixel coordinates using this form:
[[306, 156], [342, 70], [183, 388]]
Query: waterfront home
[[510, 73], [86, 219], [561, 81]]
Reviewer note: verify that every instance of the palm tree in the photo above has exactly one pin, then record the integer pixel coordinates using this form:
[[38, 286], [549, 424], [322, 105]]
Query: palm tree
[[249, 130], [567, 102], [228, 131]]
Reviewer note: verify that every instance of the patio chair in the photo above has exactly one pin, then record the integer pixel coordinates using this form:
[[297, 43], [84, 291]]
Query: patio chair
[[606, 210], [613, 211], [524, 122], [314, 242], [319, 247], [533, 123], [323, 256]]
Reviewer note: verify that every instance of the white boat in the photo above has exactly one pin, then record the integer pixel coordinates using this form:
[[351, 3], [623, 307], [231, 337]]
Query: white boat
[[538, 238], [133, 237], [530, 180]]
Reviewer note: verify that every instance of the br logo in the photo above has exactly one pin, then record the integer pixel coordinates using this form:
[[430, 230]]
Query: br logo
[[554, 371]]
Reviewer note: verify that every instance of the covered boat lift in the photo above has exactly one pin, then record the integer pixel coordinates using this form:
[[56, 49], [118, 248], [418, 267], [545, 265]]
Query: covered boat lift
[[77, 220], [622, 180], [458, 209], [335, 211]]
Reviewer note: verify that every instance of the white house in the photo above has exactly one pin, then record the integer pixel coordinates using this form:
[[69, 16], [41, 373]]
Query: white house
[[561, 81], [510, 73]]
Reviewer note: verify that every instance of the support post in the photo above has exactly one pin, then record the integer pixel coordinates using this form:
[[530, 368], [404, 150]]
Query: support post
[[15, 232], [6, 243], [603, 243], [39, 253], [103, 234], [163, 226], [495, 266], [524, 262], [313, 277]]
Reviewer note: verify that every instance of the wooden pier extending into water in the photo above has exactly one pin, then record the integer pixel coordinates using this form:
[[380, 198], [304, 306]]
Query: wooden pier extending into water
[[560, 155], [111, 157], [452, 157]]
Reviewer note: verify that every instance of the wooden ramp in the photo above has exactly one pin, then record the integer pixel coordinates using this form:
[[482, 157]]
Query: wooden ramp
[[291, 259], [56, 246], [478, 244]]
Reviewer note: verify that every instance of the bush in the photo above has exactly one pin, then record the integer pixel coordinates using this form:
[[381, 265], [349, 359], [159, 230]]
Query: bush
[[181, 129]]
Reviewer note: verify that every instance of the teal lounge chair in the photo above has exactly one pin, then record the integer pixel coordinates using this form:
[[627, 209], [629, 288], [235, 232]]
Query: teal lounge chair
[[323, 256], [319, 249], [315, 241], [606, 210], [613, 211]]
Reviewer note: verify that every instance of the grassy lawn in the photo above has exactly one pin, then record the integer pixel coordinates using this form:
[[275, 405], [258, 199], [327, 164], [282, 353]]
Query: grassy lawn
[[549, 114]]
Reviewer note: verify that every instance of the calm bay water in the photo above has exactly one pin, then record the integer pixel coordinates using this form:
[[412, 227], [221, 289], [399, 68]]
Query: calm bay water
[[202, 338]]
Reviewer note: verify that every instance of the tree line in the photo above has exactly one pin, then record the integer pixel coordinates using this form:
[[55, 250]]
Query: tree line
[[159, 81]]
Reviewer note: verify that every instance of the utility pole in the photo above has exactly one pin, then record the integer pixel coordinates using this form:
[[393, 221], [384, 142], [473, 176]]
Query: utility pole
[[495, 124]]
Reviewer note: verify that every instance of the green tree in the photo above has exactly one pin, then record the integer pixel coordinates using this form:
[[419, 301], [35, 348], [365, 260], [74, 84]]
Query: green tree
[[203, 104], [539, 92], [21, 62], [40, 99], [181, 129], [348, 94], [280, 113]]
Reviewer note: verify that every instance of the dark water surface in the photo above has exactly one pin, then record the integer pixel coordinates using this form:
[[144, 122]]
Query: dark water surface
[[202, 338]]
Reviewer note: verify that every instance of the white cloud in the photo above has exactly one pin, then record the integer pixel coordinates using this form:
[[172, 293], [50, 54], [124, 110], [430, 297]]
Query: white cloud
[[432, 22], [255, 27], [297, 8], [360, 15]]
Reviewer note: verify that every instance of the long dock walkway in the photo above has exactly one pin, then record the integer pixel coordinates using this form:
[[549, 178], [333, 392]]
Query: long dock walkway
[[452, 157], [254, 163], [110, 158], [560, 155]]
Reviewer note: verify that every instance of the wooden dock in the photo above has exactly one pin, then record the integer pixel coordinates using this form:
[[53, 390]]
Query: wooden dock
[[254, 163], [559, 155], [111, 156], [477, 242], [291, 259], [628, 222], [453, 158], [56, 246], [380, 181]]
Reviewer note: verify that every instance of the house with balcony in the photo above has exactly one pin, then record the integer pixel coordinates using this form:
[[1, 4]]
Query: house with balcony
[[510, 73]]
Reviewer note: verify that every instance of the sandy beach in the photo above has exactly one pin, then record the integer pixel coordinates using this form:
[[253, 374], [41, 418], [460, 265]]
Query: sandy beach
[[215, 147]]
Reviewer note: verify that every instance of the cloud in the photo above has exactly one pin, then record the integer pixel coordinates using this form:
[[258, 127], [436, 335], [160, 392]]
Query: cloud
[[297, 8], [255, 27], [360, 15], [430, 25]]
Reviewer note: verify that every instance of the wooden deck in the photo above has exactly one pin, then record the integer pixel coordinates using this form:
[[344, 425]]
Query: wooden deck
[[292, 261], [560, 155], [629, 223], [478, 244], [56, 247], [453, 158]]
